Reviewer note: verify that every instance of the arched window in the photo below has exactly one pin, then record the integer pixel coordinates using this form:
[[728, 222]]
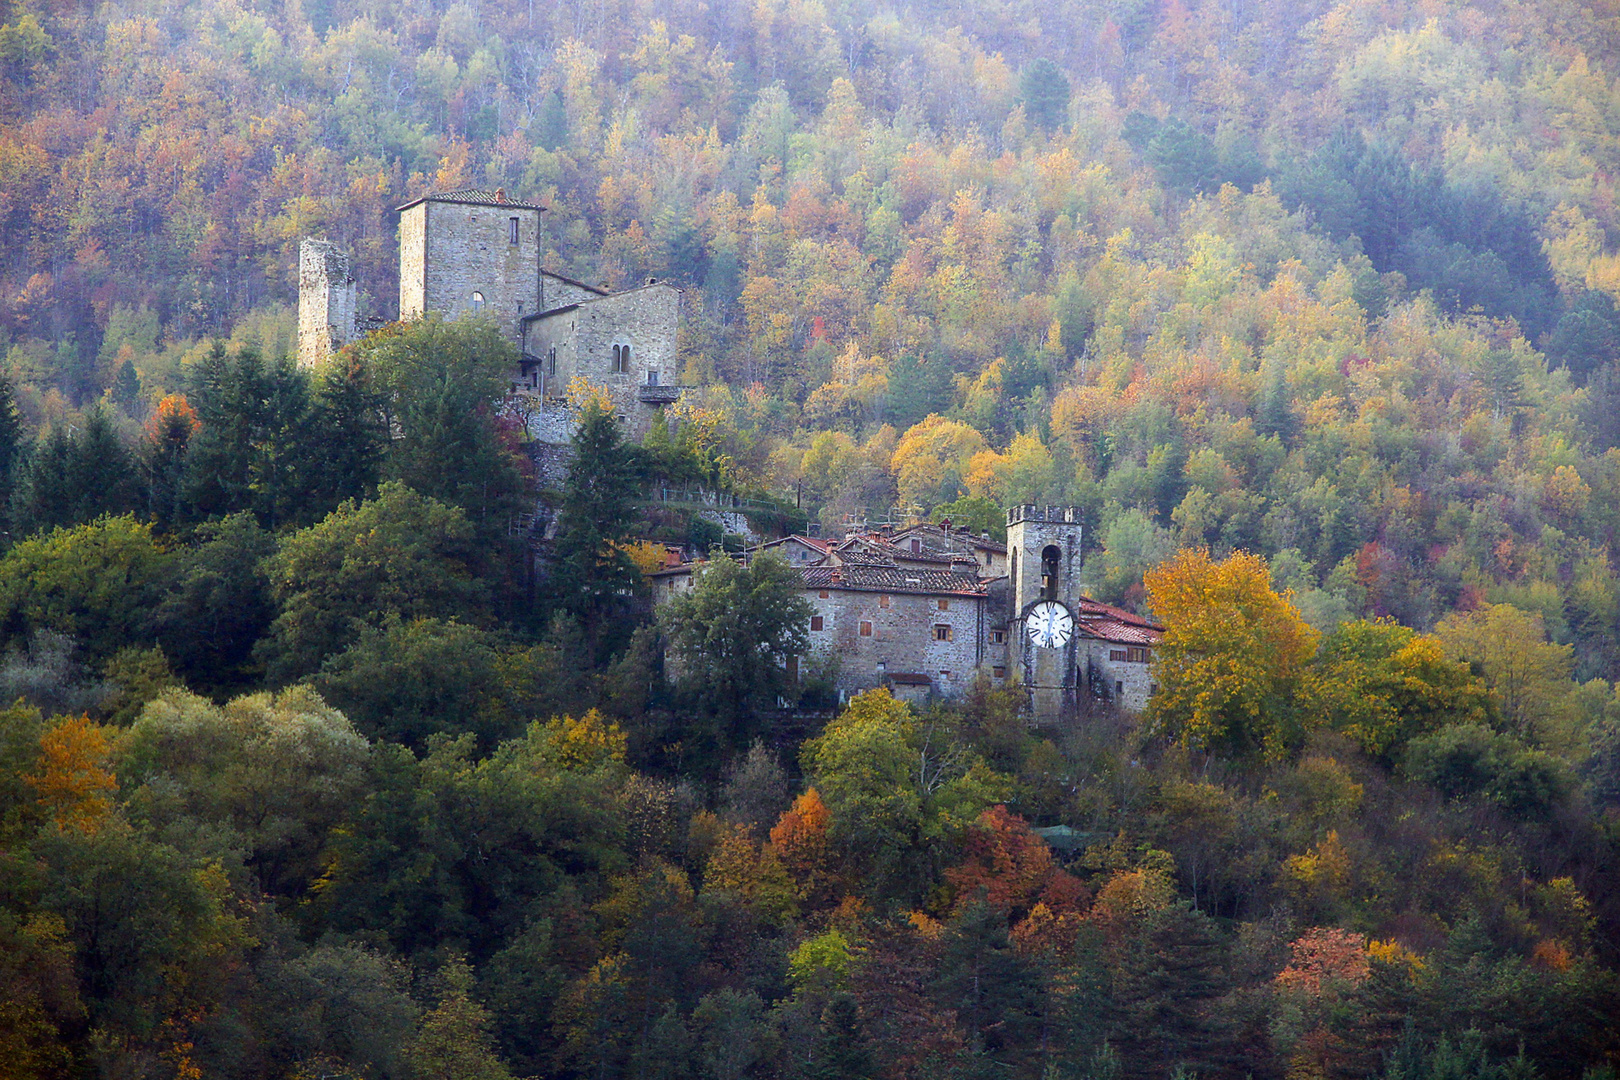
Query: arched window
[[1050, 556], [621, 359], [477, 301]]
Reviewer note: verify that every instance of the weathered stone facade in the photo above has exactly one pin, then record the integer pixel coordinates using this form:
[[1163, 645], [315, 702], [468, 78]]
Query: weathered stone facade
[[326, 301], [470, 252], [623, 342], [925, 613]]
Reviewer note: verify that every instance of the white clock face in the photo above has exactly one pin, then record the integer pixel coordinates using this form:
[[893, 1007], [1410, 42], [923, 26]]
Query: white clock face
[[1049, 625]]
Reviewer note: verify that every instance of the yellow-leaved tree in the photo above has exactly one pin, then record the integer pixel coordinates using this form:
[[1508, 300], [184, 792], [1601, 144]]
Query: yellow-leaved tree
[[1233, 656]]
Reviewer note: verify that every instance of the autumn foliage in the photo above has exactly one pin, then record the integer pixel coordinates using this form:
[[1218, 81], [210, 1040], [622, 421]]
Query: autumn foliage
[[73, 781]]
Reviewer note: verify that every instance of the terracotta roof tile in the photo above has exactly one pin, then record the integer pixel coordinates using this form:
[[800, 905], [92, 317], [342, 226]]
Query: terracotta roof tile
[[865, 577], [473, 197]]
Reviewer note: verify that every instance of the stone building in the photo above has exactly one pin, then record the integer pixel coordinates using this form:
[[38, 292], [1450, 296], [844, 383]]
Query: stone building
[[326, 301], [475, 252], [925, 611]]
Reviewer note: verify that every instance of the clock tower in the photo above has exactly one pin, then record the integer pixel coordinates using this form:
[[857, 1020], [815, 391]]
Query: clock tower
[[1043, 569]]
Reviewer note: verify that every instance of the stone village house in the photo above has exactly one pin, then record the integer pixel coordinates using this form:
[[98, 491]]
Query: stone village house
[[925, 610]]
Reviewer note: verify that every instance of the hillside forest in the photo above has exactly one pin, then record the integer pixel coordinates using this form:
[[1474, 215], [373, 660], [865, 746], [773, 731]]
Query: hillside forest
[[309, 769]]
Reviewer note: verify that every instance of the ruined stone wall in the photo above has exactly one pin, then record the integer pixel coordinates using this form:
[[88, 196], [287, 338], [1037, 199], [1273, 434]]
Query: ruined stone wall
[[326, 302], [902, 638], [413, 254]]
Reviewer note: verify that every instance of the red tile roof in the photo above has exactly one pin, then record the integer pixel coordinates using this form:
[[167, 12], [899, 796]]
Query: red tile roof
[[1108, 623]]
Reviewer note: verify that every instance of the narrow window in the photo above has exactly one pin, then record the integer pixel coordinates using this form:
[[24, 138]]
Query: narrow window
[[944, 604], [916, 546], [998, 637], [618, 357], [551, 362], [511, 230], [477, 301], [1119, 689], [652, 377], [942, 632], [883, 601], [866, 629], [816, 622]]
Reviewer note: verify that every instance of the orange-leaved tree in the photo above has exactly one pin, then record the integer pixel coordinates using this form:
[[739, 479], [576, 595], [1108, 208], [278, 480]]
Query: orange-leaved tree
[[74, 780], [1233, 655]]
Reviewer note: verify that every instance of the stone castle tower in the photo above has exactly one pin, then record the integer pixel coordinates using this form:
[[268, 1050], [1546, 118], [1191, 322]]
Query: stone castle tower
[[475, 252], [326, 301], [1043, 567]]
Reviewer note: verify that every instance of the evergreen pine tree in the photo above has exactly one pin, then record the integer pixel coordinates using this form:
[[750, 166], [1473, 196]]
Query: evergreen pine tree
[[41, 495], [592, 572], [345, 438], [164, 461], [12, 448], [101, 470], [840, 1050]]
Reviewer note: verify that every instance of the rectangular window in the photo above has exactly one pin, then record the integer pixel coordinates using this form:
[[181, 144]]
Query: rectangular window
[[652, 377], [883, 601], [1116, 654], [511, 230], [866, 629], [998, 637], [816, 622], [1137, 654], [999, 672], [944, 605], [942, 632], [822, 594], [1119, 689], [916, 546]]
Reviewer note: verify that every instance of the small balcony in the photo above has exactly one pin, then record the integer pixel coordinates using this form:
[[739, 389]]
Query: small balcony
[[658, 394]]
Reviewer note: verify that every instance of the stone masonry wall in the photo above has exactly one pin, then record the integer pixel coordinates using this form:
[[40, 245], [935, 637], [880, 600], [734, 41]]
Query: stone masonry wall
[[556, 292], [644, 319], [326, 301], [462, 249], [1126, 682], [413, 245], [902, 638]]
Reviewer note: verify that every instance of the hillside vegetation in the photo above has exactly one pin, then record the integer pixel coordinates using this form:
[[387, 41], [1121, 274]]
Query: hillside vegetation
[[1310, 308]]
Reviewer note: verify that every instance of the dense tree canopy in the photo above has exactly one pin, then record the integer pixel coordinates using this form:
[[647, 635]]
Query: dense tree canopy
[[330, 746]]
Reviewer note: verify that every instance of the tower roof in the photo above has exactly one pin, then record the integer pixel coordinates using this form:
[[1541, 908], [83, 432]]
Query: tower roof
[[473, 197]]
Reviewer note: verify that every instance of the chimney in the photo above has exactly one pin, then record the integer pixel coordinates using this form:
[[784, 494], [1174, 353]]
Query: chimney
[[500, 195]]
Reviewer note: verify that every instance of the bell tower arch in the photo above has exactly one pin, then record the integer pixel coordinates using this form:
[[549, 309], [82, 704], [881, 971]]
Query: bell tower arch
[[1043, 544]]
